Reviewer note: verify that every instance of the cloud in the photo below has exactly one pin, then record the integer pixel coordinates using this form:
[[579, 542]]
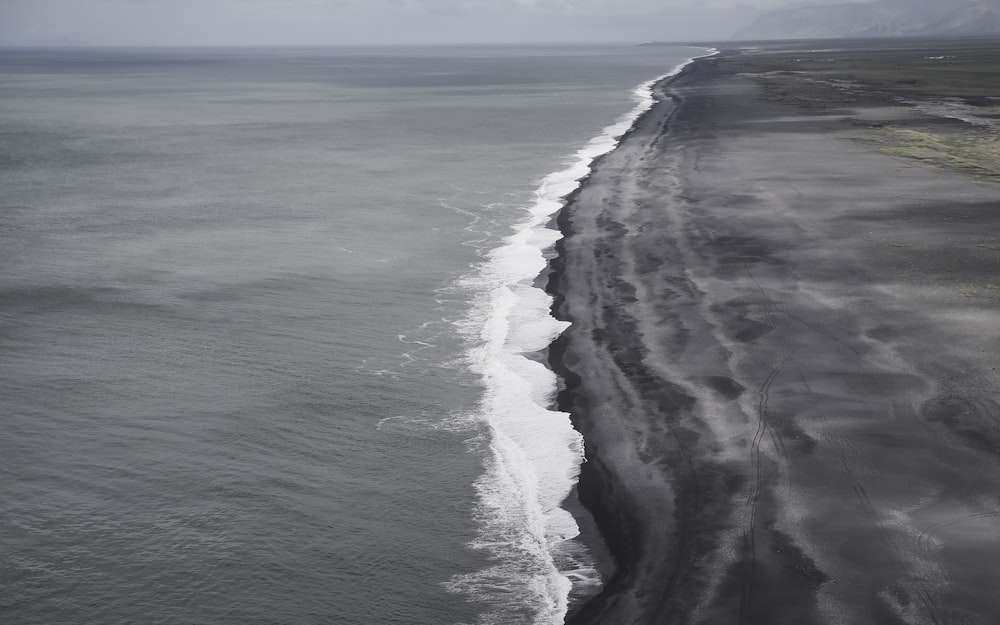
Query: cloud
[[284, 22]]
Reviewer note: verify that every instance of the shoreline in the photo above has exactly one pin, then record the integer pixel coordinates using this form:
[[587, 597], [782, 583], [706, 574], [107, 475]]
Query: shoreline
[[518, 331], [598, 530], [780, 388], [590, 536], [607, 535]]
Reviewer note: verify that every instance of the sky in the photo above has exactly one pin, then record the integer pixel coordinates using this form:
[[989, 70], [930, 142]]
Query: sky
[[353, 22]]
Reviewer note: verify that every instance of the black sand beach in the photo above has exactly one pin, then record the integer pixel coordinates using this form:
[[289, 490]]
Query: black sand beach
[[784, 349]]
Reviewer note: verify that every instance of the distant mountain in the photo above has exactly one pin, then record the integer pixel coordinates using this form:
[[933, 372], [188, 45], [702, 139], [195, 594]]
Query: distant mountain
[[979, 18], [882, 18]]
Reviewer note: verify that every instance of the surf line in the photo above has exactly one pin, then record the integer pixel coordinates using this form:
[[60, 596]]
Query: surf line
[[533, 453]]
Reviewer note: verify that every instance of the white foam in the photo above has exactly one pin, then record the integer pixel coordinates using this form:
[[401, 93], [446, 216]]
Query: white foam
[[534, 454]]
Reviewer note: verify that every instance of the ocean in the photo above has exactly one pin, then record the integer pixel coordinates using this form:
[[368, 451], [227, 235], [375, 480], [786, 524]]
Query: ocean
[[273, 335]]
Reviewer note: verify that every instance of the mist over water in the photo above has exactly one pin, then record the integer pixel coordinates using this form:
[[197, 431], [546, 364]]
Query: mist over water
[[252, 347]]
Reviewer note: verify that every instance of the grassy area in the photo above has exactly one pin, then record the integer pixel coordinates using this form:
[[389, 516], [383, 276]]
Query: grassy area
[[827, 74], [922, 69], [978, 156]]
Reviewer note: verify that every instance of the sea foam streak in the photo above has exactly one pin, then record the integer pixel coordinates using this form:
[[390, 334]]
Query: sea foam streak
[[534, 454]]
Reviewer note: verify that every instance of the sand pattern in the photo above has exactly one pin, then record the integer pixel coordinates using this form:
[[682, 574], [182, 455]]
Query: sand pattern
[[782, 360]]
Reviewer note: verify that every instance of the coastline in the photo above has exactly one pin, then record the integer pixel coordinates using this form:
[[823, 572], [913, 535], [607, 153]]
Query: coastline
[[614, 536], [534, 450], [597, 534], [781, 389]]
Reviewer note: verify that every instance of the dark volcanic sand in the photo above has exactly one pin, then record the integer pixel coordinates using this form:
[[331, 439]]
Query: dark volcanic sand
[[782, 360]]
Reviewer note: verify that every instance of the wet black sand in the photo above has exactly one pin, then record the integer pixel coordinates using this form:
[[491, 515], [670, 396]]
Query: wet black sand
[[783, 362]]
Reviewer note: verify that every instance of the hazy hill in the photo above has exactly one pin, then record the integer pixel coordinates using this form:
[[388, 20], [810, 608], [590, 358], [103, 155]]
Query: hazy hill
[[882, 18], [979, 18]]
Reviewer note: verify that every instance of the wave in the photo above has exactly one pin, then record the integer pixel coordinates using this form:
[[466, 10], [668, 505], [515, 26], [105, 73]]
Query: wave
[[533, 453]]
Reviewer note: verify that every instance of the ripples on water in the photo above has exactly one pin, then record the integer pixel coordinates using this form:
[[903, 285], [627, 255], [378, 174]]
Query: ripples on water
[[233, 386]]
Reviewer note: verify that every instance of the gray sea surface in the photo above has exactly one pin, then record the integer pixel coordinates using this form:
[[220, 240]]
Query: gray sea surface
[[233, 385]]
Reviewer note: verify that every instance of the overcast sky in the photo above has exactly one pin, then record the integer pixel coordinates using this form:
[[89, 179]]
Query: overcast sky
[[333, 22]]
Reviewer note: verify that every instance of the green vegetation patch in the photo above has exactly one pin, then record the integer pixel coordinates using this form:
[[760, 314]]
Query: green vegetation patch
[[954, 68], [978, 156]]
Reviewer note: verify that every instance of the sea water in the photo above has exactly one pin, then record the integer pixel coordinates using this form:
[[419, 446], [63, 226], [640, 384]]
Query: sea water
[[272, 330]]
